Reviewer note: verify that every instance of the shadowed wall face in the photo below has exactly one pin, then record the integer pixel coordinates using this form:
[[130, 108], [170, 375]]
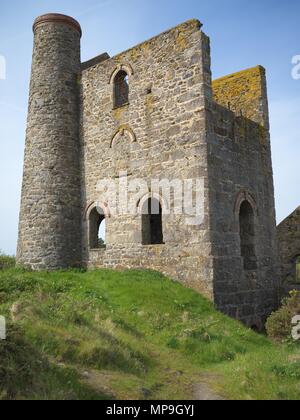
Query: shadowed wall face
[[243, 223], [247, 235], [288, 233]]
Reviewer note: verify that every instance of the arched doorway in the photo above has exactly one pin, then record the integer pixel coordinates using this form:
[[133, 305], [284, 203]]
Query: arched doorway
[[247, 236], [152, 226]]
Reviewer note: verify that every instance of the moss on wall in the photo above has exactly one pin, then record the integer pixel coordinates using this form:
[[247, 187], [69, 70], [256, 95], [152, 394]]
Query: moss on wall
[[244, 93]]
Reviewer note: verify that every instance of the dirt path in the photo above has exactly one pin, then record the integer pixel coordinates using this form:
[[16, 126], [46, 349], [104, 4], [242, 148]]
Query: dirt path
[[100, 382], [203, 392]]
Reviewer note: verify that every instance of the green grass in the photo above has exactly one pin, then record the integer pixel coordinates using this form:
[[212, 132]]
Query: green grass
[[6, 261], [130, 335]]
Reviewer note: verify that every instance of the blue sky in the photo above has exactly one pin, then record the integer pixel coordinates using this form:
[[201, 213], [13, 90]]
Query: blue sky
[[243, 34]]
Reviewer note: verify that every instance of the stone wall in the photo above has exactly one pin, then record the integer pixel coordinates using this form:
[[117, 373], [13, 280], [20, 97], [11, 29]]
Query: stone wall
[[169, 79], [240, 169], [244, 93], [180, 131], [289, 248]]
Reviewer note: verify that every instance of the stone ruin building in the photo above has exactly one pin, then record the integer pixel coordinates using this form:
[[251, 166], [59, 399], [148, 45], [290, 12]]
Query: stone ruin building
[[152, 111]]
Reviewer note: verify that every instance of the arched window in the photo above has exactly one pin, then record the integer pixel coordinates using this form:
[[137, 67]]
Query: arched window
[[97, 228], [121, 89], [297, 269], [152, 228], [247, 236]]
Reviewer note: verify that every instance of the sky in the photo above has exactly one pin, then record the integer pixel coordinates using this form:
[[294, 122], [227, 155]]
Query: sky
[[243, 34]]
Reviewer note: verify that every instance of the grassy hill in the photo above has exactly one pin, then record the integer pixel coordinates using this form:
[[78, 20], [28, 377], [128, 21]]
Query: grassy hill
[[130, 335]]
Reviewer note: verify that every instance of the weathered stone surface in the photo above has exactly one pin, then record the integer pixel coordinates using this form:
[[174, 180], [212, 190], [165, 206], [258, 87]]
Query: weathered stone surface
[[241, 93], [288, 233], [50, 218], [176, 125]]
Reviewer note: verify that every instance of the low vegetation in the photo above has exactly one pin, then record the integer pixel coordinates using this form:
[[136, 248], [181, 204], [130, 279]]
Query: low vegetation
[[6, 261], [130, 335], [279, 323]]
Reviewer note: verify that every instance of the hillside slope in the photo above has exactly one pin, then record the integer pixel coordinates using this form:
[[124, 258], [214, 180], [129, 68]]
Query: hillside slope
[[130, 335]]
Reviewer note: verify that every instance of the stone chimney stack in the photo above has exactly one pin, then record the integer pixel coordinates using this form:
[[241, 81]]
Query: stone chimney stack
[[50, 217]]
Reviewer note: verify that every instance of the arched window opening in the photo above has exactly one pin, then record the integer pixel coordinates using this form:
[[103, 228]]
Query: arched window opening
[[152, 228], [121, 89], [297, 269], [97, 229], [247, 236]]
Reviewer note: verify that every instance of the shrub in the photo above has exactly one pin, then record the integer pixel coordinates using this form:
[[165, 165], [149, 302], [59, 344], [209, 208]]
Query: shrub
[[279, 325], [6, 261]]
